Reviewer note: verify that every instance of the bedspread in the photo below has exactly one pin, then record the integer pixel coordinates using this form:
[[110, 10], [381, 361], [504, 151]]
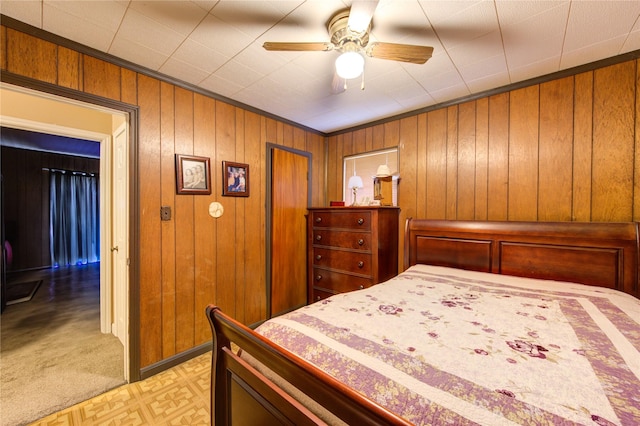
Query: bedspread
[[444, 346]]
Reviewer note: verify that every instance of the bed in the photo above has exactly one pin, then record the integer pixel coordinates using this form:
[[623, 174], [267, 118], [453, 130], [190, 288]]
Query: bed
[[489, 323]]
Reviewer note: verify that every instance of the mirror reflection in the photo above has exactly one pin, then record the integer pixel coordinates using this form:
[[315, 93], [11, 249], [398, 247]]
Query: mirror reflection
[[371, 178]]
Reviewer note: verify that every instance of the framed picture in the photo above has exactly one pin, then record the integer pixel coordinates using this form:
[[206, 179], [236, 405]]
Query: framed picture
[[193, 175], [235, 179]]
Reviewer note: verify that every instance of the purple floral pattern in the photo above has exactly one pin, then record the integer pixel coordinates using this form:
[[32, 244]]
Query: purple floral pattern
[[478, 340], [533, 350]]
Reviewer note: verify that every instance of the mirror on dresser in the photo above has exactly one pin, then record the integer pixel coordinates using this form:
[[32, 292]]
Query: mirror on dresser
[[367, 166]]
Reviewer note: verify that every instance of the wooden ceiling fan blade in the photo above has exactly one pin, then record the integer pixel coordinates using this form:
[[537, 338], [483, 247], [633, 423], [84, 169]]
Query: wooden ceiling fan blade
[[400, 52], [360, 15], [297, 47]]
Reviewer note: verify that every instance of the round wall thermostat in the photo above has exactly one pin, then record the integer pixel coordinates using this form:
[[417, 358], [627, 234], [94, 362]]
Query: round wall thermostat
[[216, 209]]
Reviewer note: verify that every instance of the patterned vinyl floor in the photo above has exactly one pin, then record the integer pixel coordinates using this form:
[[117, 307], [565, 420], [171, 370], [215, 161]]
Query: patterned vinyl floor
[[178, 396]]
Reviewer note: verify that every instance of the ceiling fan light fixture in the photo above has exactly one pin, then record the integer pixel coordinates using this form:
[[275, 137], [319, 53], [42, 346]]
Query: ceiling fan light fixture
[[349, 65]]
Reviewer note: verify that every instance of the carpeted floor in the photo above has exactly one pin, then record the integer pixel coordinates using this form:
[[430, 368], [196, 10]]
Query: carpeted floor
[[52, 352], [178, 396]]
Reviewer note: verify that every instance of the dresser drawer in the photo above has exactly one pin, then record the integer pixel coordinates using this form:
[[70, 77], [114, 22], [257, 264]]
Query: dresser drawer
[[355, 220], [349, 248], [342, 260], [332, 281], [343, 239], [321, 294]]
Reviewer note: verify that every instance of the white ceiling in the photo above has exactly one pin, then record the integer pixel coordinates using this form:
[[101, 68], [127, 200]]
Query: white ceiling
[[217, 45]]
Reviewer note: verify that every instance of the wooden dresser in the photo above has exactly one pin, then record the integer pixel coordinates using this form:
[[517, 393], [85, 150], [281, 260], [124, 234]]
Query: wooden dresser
[[351, 248]]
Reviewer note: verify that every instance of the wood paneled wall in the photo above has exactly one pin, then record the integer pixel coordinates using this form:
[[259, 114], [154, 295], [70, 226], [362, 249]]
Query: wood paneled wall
[[193, 259], [563, 150], [26, 201]]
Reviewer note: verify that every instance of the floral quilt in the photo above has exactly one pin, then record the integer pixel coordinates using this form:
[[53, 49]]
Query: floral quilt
[[444, 346]]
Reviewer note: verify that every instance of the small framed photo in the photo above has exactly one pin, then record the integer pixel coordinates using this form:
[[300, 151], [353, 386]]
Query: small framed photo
[[193, 175], [235, 179]]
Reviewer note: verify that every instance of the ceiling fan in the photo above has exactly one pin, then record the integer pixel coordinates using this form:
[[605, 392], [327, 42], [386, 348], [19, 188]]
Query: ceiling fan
[[349, 34]]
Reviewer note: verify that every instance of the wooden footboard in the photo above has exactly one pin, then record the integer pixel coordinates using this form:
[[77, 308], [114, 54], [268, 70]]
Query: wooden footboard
[[241, 395]]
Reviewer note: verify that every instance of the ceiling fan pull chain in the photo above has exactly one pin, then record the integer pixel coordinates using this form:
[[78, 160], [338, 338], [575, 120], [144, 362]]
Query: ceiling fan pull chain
[[362, 84]]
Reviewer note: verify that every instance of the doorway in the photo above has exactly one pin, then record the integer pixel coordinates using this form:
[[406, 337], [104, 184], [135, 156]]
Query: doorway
[[288, 197], [47, 113]]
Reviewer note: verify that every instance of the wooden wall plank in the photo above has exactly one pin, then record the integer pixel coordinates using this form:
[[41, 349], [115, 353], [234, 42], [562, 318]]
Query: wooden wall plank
[[13, 203], [451, 155], [316, 145], [31, 57], [465, 184], [408, 164], [334, 169], [360, 140], [205, 225], [241, 215], [68, 68], [498, 173], [149, 175], [101, 78], [3, 47], [556, 150], [347, 145], [299, 139], [421, 166], [43, 241], [255, 294], [391, 134], [128, 91], [226, 225], [377, 137], [408, 131], [287, 135], [613, 142], [436, 164], [168, 228], [582, 147], [185, 228], [481, 159], [636, 178], [523, 154], [368, 139]]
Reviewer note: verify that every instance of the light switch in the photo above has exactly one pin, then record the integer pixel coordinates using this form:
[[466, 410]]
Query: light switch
[[165, 213]]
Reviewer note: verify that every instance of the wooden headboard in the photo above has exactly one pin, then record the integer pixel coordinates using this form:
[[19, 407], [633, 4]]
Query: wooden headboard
[[594, 253]]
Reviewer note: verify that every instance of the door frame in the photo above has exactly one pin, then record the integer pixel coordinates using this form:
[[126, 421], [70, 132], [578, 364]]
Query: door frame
[[269, 208], [131, 112]]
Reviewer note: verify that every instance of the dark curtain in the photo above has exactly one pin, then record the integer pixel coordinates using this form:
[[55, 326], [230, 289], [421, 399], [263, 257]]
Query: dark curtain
[[74, 218]]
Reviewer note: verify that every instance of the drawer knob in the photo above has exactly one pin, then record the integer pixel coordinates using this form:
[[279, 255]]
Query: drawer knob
[[318, 277], [318, 256], [318, 219], [361, 287], [360, 264], [360, 221], [360, 242], [318, 237], [317, 297]]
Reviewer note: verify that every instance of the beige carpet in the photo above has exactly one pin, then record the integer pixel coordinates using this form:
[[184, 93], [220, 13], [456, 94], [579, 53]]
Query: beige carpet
[[177, 396], [52, 354]]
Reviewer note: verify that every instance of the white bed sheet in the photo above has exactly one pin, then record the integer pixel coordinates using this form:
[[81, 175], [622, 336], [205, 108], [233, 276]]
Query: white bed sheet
[[440, 345]]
